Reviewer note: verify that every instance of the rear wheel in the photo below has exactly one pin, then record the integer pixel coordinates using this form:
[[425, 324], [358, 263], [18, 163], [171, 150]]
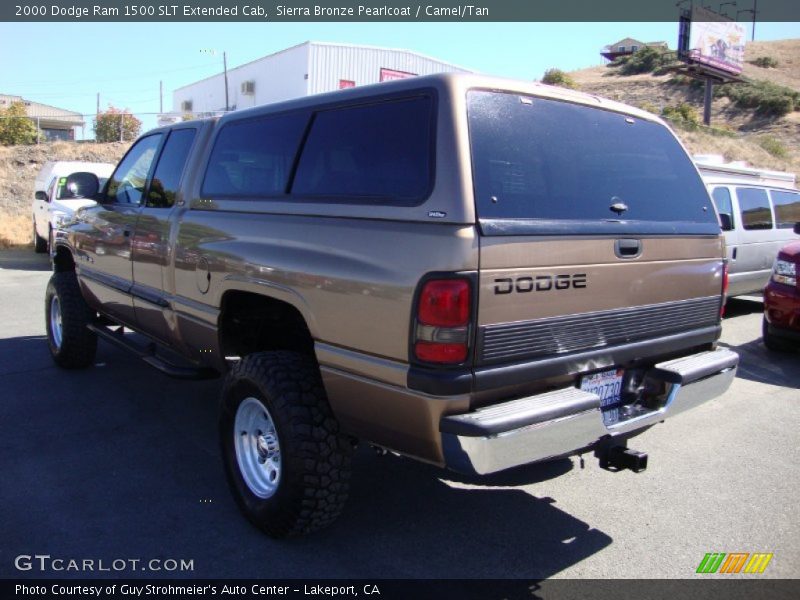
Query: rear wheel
[[771, 342], [72, 344], [39, 243], [286, 461]]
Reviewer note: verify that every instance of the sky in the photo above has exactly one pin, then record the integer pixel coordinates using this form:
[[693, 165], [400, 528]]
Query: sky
[[67, 64]]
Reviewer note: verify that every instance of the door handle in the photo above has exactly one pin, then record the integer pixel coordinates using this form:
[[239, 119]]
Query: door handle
[[628, 248]]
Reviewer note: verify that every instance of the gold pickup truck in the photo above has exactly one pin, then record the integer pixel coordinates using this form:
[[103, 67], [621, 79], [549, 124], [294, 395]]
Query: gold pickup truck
[[473, 272]]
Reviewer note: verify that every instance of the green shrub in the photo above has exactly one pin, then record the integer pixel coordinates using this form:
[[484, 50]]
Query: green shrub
[[773, 146], [559, 78], [116, 125], [619, 61], [765, 62], [765, 97], [645, 60], [15, 126], [683, 112]]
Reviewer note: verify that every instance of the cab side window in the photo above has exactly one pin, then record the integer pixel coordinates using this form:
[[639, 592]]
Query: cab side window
[[167, 176], [755, 209], [127, 184], [378, 153], [722, 201], [253, 158]]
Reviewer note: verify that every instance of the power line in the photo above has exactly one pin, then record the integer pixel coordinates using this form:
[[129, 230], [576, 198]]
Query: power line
[[50, 83]]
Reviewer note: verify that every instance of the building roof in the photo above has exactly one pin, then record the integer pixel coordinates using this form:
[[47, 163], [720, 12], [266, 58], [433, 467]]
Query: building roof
[[44, 112], [626, 42], [330, 44]]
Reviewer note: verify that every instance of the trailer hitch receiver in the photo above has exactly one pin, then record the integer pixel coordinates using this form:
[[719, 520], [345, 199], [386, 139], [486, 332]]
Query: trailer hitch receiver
[[618, 458]]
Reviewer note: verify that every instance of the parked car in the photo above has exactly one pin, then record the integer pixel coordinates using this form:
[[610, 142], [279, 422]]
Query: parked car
[[781, 324], [54, 202], [757, 211]]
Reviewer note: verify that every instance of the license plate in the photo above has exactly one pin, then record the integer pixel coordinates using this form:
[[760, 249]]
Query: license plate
[[607, 385]]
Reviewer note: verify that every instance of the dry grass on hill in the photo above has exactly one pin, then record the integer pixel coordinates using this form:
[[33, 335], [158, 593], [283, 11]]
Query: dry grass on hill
[[19, 166]]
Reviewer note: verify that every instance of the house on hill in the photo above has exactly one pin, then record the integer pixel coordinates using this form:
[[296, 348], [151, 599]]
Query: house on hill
[[54, 123], [627, 46]]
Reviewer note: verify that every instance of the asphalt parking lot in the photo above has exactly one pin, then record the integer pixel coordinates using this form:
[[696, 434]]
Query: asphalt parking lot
[[121, 462]]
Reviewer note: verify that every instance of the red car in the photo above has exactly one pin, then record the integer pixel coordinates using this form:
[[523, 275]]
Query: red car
[[781, 327]]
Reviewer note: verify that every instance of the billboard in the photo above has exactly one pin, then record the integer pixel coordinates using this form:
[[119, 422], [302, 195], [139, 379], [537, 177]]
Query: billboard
[[716, 41]]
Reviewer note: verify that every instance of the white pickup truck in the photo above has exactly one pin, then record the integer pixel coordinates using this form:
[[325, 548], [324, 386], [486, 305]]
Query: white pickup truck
[[54, 203]]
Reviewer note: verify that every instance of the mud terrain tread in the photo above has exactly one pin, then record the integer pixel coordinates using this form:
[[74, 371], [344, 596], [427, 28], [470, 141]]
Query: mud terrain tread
[[79, 344], [316, 455]]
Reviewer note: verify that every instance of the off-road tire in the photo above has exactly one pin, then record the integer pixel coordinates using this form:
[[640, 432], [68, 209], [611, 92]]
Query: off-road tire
[[39, 243], [772, 343], [78, 345], [314, 456]]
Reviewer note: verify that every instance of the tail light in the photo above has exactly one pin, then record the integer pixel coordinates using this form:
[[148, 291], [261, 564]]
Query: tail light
[[724, 288], [441, 332]]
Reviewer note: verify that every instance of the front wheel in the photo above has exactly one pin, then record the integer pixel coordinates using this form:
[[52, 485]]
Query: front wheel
[[287, 463], [72, 344]]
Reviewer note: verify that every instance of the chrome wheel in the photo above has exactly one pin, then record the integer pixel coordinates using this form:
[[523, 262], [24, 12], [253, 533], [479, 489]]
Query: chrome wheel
[[257, 449], [55, 321]]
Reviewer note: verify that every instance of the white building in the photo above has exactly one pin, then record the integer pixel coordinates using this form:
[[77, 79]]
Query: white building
[[302, 70], [53, 123]]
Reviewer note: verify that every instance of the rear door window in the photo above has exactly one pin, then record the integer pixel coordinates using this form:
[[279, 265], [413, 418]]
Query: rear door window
[[754, 208], [787, 208], [253, 158], [557, 167], [378, 153]]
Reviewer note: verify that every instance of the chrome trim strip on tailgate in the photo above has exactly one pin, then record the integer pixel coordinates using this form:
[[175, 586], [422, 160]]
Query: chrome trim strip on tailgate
[[562, 335]]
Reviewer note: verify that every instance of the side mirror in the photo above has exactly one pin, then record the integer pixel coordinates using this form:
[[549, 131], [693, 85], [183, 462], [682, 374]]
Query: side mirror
[[40, 195], [725, 221], [797, 228], [82, 185]]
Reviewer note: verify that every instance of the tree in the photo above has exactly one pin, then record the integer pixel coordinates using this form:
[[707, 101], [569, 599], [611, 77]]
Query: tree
[[15, 126], [559, 78], [107, 126]]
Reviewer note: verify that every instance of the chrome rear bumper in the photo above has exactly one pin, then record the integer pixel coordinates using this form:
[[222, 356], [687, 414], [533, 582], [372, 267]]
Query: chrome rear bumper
[[564, 421]]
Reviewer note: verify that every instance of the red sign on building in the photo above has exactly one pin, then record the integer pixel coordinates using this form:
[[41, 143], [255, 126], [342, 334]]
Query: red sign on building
[[391, 74]]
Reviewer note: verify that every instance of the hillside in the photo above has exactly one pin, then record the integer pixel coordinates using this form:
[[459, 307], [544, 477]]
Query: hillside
[[740, 134], [19, 166], [748, 130]]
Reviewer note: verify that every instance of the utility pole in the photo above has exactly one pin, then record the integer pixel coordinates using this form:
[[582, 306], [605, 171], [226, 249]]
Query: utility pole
[[212, 52], [225, 68], [98, 104], [161, 97]]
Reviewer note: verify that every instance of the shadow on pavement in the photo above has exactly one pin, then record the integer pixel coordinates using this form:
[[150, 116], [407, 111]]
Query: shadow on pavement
[[756, 363], [24, 259], [118, 461], [736, 307]]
